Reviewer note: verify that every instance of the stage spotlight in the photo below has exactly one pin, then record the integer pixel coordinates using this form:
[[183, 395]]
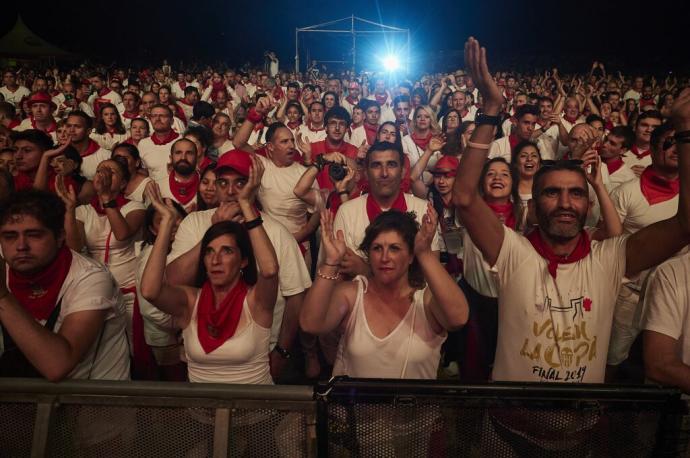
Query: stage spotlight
[[391, 63]]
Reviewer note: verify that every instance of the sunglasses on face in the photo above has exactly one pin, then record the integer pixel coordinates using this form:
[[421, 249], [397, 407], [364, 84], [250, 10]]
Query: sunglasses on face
[[564, 163], [668, 143]]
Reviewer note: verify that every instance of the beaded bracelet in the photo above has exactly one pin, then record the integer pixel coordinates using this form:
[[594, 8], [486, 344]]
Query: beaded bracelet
[[328, 277]]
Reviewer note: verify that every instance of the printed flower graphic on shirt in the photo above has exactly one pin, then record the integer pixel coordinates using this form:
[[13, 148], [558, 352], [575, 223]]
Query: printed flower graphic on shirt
[[587, 304]]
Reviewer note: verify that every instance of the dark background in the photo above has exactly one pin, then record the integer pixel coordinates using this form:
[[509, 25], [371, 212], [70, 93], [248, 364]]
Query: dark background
[[651, 36]]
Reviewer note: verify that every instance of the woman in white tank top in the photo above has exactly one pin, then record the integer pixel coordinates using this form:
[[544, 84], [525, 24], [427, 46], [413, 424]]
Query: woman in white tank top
[[226, 323], [392, 324]]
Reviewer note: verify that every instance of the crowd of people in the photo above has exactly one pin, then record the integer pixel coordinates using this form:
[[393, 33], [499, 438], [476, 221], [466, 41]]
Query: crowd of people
[[232, 227]]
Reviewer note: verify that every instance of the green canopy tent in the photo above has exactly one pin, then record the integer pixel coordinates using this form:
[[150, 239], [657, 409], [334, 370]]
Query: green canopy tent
[[21, 44]]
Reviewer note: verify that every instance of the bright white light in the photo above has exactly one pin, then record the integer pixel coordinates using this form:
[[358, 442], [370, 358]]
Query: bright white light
[[391, 63]]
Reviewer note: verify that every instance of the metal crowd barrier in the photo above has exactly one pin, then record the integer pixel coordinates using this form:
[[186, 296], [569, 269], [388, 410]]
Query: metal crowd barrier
[[341, 418]]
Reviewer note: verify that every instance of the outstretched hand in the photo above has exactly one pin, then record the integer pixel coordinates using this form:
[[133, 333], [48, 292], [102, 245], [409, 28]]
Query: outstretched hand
[[249, 190], [475, 60], [68, 196], [333, 244], [163, 206], [427, 230]]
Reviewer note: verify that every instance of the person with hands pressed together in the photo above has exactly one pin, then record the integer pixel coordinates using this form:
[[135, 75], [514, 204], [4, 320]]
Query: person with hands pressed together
[[393, 324], [107, 228], [226, 319], [571, 288]]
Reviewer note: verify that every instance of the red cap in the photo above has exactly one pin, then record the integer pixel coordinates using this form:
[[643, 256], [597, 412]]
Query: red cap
[[236, 159], [42, 97], [447, 162]]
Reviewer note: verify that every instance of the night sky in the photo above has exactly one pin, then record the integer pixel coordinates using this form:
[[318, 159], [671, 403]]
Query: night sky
[[655, 36]]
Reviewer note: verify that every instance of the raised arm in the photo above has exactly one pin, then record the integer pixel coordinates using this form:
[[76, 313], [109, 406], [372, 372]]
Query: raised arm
[[657, 242], [483, 226], [419, 188], [123, 228], [612, 225], [174, 300], [41, 178], [74, 229], [435, 101], [327, 303], [444, 301], [254, 116], [263, 295]]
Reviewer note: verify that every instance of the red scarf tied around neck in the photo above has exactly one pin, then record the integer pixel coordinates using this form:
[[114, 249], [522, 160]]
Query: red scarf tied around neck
[[505, 213], [421, 142], [374, 209], [370, 131], [38, 292], [657, 189], [183, 192], [613, 165], [581, 250], [215, 325], [172, 135]]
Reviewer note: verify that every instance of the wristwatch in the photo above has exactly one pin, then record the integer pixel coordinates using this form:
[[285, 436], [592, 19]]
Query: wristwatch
[[481, 119], [282, 352], [110, 204]]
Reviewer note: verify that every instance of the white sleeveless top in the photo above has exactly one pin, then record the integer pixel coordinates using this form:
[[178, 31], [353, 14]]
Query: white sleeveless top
[[243, 358], [412, 350]]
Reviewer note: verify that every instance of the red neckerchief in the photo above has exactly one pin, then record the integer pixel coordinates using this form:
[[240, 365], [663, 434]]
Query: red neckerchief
[[104, 91], [22, 181], [51, 128], [374, 209], [13, 123], [613, 165], [170, 136], [640, 154], [278, 93], [644, 102], [422, 142], [183, 85], [464, 113], [179, 112], [215, 325], [183, 192], [294, 124], [371, 132], [352, 101], [258, 126], [96, 203], [90, 149], [131, 116], [581, 250], [131, 141], [68, 180], [38, 293], [571, 120], [315, 130], [381, 99], [513, 140], [657, 189], [505, 213]]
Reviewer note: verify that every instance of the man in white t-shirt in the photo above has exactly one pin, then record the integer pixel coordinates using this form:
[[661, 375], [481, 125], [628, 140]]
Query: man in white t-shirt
[[155, 150], [79, 126], [556, 287], [525, 119], [183, 180], [281, 174], [62, 314], [384, 100], [635, 92], [549, 130], [666, 324], [638, 157], [11, 91], [191, 96], [183, 262], [640, 203], [313, 130], [384, 168], [42, 108], [103, 94], [612, 148]]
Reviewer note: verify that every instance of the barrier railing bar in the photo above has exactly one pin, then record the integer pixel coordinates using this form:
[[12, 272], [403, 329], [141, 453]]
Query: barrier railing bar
[[159, 389], [221, 433], [44, 413]]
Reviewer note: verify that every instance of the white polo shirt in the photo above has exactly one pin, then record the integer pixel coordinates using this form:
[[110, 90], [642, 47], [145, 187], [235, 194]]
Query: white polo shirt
[[155, 158]]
